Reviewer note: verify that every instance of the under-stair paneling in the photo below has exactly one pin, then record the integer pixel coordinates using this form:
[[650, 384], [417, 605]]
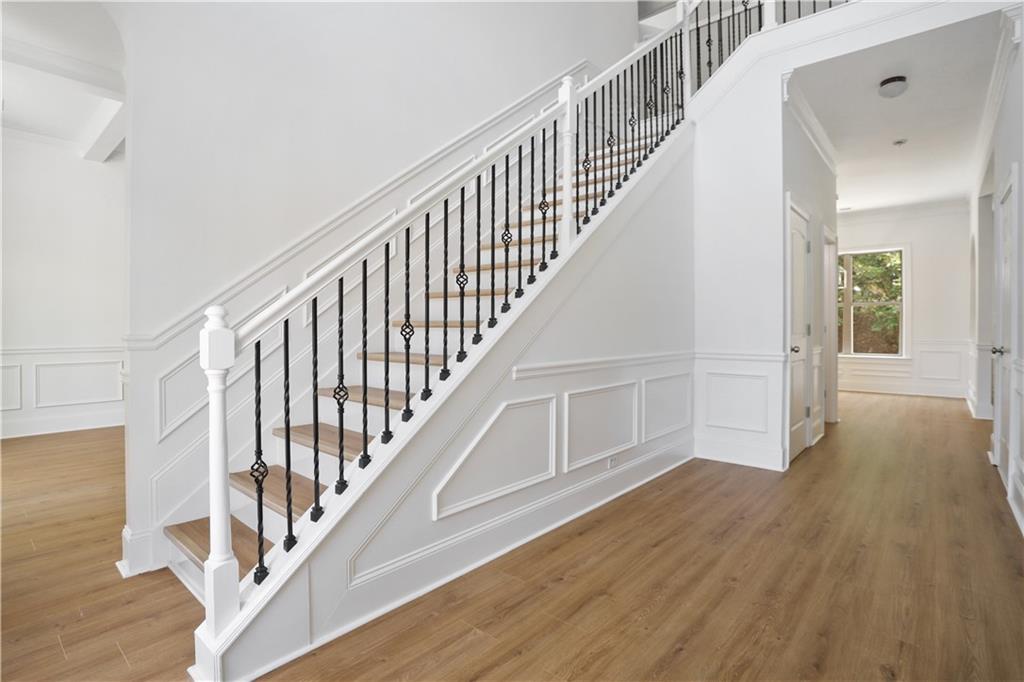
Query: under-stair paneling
[[565, 378]]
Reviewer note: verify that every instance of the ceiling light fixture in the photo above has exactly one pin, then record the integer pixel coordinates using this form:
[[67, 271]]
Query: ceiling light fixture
[[900, 142], [893, 86]]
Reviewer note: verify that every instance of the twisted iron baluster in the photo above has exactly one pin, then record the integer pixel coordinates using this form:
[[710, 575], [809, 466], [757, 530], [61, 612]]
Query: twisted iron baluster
[[289, 539], [621, 149], [632, 120], [544, 205], [386, 435], [533, 203], [364, 458], [426, 392], [259, 471], [554, 187], [506, 239], [606, 166], [316, 511], [519, 247], [407, 333], [610, 156], [341, 391], [586, 166], [445, 372], [597, 165], [576, 170], [477, 336], [493, 321], [462, 279], [699, 70]]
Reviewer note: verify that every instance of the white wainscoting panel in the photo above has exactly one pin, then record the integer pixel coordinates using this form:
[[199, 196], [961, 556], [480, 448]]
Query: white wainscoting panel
[[46, 390], [739, 410], [599, 422], [934, 367], [514, 450], [667, 405], [10, 387]]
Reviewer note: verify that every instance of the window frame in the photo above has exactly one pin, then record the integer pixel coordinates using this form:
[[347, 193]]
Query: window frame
[[848, 305]]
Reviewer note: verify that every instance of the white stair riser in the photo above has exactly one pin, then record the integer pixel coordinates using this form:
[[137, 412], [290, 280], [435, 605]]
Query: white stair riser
[[243, 508]]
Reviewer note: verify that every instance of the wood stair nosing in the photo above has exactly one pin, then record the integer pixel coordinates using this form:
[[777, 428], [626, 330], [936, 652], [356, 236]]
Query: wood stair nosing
[[275, 496], [302, 434], [374, 396], [193, 539], [399, 357]]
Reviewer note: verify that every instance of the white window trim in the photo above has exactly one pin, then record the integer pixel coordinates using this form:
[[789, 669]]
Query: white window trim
[[905, 316]]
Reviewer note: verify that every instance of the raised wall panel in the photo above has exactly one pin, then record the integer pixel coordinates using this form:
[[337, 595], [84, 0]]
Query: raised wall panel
[[737, 401], [514, 450], [77, 383], [944, 365], [599, 422], [10, 387], [667, 405]]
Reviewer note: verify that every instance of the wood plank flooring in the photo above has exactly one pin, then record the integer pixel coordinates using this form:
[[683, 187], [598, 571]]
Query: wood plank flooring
[[887, 552]]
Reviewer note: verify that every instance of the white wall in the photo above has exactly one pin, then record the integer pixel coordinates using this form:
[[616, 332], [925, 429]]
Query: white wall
[[936, 239], [64, 273], [252, 124]]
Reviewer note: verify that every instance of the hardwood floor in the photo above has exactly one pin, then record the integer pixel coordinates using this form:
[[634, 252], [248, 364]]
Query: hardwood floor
[[66, 612], [888, 551]]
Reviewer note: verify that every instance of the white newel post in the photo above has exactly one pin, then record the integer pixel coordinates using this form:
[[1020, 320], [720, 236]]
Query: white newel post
[[216, 356], [770, 20], [683, 15], [567, 98]]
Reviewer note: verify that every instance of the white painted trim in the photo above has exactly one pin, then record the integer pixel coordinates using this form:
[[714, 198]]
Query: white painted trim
[[644, 436], [1007, 45], [741, 357], [437, 513], [17, 366], [763, 428], [804, 114], [152, 341], [567, 464], [35, 374], [548, 369], [59, 350], [98, 80]]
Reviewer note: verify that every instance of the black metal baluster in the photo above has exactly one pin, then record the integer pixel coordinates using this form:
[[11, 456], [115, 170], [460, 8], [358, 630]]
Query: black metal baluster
[[654, 95], [799, 9], [386, 435], [531, 278], [698, 69], [289, 538], [462, 279], [576, 170], [426, 392], [681, 90], [554, 187], [661, 93], [645, 122], [783, 10], [597, 158], [445, 372], [623, 173], [364, 458], [506, 239], [519, 246], [477, 336], [259, 472], [610, 143], [732, 26], [721, 58], [493, 321], [407, 332], [709, 43], [760, 15], [316, 511], [634, 120], [341, 391], [746, 17], [544, 205], [605, 165], [586, 166]]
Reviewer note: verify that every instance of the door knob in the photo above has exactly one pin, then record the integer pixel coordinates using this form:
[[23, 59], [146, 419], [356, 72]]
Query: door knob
[[796, 349], [998, 351]]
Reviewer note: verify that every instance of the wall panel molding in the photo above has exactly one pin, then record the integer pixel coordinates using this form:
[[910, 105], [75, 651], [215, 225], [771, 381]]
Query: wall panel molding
[[10, 378], [659, 390], [606, 414], [731, 395], [64, 380], [548, 369]]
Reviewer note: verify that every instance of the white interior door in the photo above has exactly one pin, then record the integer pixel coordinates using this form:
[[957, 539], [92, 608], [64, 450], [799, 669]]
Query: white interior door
[[799, 334], [1003, 345]]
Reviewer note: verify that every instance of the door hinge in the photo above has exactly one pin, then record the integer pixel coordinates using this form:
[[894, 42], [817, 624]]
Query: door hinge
[[807, 412], [808, 247], [808, 330]]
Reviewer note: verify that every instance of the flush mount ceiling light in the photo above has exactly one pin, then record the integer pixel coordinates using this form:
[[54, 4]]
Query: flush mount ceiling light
[[893, 86], [900, 142]]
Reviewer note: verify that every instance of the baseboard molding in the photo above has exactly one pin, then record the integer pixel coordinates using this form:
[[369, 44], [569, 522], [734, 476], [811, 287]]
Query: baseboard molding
[[912, 389], [12, 426]]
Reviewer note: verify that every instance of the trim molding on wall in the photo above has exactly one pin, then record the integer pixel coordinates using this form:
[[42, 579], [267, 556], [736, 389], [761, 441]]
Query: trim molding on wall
[[568, 463], [547, 369]]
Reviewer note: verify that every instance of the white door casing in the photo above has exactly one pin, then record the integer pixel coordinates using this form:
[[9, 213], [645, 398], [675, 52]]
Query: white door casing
[[1006, 347], [831, 341], [798, 329]]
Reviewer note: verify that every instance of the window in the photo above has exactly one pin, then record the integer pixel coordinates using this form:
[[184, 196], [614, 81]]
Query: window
[[870, 303]]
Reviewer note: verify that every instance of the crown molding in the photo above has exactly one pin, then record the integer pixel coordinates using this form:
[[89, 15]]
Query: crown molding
[[804, 114], [98, 80], [1008, 44]]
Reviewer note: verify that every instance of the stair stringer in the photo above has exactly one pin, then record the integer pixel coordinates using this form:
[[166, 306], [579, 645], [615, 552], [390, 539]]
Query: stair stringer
[[607, 326]]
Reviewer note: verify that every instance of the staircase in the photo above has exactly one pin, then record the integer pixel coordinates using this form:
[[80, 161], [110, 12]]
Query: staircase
[[347, 367]]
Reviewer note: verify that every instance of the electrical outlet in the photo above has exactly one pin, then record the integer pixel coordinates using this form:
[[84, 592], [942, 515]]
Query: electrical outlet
[[612, 462]]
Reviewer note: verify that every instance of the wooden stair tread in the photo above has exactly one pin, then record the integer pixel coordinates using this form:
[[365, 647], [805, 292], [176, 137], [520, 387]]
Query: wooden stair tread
[[303, 435], [399, 357], [274, 494], [374, 396], [484, 293], [437, 324], [193, 539], [514, 244], [499, 265]]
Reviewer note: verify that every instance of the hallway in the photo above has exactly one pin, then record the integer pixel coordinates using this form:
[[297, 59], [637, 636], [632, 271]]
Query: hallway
[[888, 551]]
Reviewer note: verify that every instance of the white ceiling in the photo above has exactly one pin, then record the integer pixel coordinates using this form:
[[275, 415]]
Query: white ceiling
[[948, 72], [62, 77]]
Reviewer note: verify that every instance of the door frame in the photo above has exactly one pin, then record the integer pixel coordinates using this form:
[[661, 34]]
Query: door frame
[[830, 253], [1010, 187], [790, 207]]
